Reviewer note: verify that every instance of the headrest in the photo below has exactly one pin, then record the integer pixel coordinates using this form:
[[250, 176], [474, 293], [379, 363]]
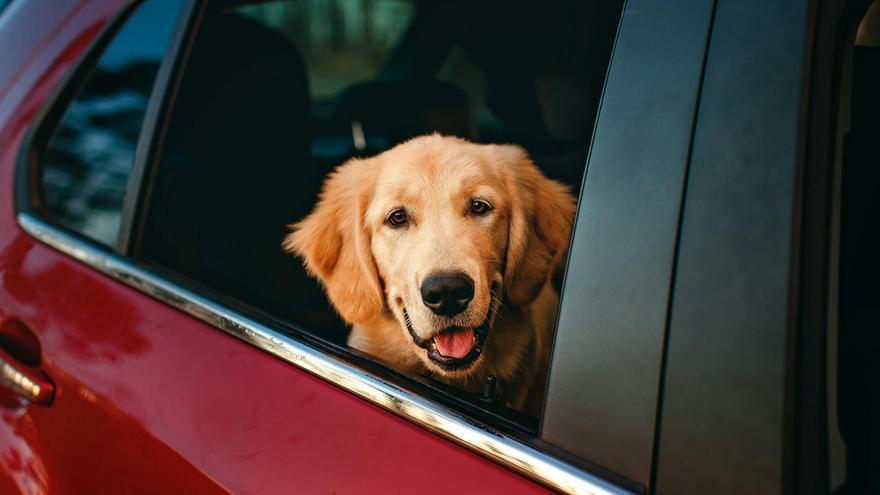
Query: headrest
[[400, 109], [866, 81], [236, 67]]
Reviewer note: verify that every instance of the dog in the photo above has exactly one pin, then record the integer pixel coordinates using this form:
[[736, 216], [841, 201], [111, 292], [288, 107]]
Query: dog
[[439, 253]]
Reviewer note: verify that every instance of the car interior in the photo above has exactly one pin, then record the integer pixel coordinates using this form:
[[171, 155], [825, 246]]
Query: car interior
[[255, 129]]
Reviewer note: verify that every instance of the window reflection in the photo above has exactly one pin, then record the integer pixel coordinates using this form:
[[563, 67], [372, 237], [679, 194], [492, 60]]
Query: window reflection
[[341, 40], [88, 158]]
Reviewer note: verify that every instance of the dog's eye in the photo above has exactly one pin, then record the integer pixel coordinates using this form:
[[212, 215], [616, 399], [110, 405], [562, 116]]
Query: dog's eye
[[479, 207], [397, 218]]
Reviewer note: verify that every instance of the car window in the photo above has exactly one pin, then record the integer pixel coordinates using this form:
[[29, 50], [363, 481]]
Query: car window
[[261, 118], [84, 167]]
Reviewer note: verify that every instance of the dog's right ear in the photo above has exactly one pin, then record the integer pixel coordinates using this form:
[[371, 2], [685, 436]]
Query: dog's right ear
[[542, 212], [335, 244]]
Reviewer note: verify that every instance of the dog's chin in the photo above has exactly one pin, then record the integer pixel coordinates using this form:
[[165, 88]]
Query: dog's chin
[[455, 351]]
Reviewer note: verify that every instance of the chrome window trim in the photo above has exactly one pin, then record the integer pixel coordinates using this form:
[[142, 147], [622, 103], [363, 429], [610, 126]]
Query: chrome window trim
[[434, 417]]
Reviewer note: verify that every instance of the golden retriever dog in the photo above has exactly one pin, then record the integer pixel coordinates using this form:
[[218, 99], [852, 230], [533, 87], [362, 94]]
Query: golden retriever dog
[[439, 253]]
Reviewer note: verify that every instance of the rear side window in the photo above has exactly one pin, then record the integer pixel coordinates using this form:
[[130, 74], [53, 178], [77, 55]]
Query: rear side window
[[84, 167]]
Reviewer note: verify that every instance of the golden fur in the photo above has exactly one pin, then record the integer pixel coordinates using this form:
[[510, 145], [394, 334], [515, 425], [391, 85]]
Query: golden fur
[[372, 272]]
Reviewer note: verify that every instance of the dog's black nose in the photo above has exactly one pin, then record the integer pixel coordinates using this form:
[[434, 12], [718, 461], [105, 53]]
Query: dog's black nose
[[447, 294]]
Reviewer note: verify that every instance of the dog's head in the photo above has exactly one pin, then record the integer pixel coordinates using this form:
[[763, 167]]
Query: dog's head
[[436, 232]]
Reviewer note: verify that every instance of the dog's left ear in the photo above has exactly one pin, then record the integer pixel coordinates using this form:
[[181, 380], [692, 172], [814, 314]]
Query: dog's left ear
[[542, 211], [334, 243]]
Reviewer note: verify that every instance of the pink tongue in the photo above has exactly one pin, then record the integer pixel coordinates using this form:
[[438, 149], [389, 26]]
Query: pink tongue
[[455, 343]]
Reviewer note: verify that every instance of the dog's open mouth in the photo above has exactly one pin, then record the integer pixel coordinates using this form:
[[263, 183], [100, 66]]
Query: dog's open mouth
[[455, 342], [455, 348]]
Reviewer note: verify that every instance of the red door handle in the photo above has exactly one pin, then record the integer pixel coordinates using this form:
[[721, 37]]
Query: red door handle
[[23, 376]]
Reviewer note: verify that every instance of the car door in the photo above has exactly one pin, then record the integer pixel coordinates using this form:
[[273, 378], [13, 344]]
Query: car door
[[148, 398], [165, 384]]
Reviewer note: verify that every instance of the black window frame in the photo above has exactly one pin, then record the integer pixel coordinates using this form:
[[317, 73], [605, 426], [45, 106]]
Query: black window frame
[[624, 247]]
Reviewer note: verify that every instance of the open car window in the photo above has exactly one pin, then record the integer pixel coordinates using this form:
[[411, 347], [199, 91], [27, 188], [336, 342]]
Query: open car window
[[259, 120]]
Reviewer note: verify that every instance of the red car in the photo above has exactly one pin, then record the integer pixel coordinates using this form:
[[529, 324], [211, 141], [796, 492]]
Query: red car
[[713, 330]]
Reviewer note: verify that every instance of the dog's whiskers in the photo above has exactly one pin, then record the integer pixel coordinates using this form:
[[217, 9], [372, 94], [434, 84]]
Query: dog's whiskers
[[499, 305]]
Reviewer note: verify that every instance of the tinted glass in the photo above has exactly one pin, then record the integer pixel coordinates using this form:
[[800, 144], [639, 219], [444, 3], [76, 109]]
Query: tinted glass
[[87, 160]]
